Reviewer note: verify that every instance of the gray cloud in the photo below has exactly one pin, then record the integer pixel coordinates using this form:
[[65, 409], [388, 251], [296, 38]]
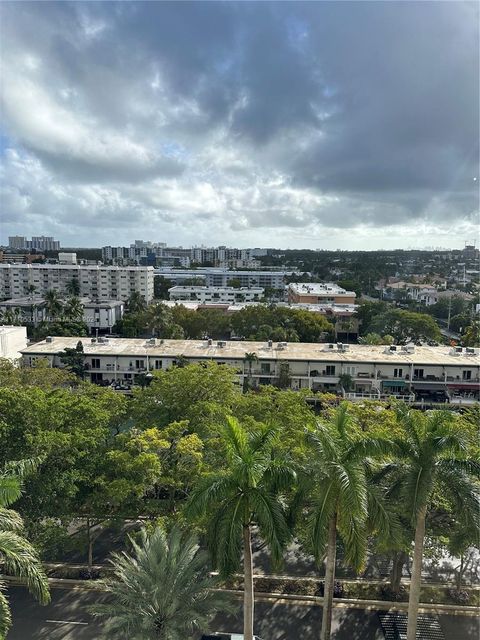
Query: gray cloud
[[217, 121]]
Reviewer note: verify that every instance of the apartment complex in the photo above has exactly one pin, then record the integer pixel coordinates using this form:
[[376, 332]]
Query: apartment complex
[[440, 374], [94, 281], [319, 293], [33, 310], [42, 243], [226, 295], [213, 277], [142, 252]]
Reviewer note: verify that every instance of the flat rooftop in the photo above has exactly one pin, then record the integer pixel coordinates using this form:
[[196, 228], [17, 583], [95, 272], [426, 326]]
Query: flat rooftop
[[236, 350], [318, 289]]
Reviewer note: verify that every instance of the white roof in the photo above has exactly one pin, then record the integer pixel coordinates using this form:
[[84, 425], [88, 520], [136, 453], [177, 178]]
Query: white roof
[[235, 350]]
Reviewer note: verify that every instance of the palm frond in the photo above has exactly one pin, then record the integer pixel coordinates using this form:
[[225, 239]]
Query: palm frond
[[20, 559]]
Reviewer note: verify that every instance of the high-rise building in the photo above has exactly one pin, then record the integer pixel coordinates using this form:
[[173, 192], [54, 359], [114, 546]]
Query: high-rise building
[[17, 242]]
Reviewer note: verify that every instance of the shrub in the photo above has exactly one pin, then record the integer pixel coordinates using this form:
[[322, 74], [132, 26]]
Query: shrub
[[459, 596]]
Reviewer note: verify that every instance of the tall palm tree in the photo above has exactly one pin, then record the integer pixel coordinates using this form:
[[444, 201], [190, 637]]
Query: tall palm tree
[[73, 287], [54, 303], [242, 496], [161, 591], [17, 555], [136, 302], [250, 357], [73, 308], [432, 455], [345, 503]]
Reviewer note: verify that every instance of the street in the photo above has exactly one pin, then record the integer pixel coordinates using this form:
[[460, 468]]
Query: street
[[66, 618]]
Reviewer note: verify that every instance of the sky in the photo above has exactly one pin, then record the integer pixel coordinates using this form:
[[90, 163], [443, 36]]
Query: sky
[[351, 125]]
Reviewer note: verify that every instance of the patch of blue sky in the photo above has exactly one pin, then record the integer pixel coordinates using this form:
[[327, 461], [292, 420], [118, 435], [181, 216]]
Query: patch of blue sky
[[174, 150]]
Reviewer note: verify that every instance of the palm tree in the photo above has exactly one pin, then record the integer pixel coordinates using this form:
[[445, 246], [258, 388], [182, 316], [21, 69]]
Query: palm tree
[[242, 496], [250, 357], [74, 308], [18, 557], [159, 319], [344, 501], [161, 591], [432, 456], [73, 287], [54, 303], [136, 302]]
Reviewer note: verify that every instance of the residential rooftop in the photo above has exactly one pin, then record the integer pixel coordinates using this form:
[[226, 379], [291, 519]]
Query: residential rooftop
[[235, 350]]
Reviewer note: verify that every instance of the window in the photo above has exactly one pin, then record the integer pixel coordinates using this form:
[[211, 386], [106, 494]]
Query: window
[[265, 367], [139, 364], [158, 364], [467, 375], [350, 370], [95, 363], [398, 373], [418, 373], [330, 370]]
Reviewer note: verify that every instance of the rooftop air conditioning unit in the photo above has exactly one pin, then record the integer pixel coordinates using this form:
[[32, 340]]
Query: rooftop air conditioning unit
[[209, 342], [221, 343], [49, 339], [330, 347], [93, 340], [282, 345], [471, 351], [151, 342], [270, 344]]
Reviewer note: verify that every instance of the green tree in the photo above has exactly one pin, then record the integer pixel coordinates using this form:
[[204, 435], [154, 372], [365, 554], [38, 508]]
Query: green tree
[[235, 283], [407, 326], [74, 359], [161, 286], [73, 309], [471, 337], [73, 287], [431, 455], [343, 499], [136, 302], [54, 303], [161, 590], [19, 558], [241, 497], [250, 358]]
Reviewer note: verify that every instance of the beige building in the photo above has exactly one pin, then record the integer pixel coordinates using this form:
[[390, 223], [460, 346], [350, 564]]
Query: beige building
[[319, 293], [432, 374]]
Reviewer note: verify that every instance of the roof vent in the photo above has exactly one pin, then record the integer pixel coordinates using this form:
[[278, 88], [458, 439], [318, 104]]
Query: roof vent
[[270, 344], [392, 348], [209, 342]]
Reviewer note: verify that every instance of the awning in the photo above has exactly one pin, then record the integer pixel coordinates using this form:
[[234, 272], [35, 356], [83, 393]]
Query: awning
[[439, 386], [466, 387], [394, 383]]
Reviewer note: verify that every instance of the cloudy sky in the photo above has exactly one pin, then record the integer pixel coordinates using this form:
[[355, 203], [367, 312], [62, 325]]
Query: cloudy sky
[[317, 125]]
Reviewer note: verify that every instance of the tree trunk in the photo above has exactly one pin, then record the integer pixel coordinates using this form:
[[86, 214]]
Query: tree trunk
[[329, 579], [399, 560], [416, 579], [90, 545], [248, 602]]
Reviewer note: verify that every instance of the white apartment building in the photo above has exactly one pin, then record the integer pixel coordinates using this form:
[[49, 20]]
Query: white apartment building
[[215, 277], [415, 374], [227, 295], [95, 282], [102, 315], [12, 341]]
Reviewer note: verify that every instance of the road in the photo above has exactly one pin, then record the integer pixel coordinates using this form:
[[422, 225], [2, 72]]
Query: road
[[66, 618]]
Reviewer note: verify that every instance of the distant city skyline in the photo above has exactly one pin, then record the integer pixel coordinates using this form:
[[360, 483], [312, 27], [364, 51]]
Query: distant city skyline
[[349, 125]]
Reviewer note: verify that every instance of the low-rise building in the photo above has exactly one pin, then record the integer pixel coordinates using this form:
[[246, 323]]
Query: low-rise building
[[12, 342], [415, 374], [228, 295], [214, 277], [319, 293]]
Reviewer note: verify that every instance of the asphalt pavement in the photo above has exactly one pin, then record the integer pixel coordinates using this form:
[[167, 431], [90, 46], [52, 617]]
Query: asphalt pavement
[[67, 618]]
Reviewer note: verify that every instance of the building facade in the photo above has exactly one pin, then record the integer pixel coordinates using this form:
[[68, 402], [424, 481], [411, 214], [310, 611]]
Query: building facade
[[213, 277], [319, 293], [415, 374], [94, 281], [228, 295], [12, 342]]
